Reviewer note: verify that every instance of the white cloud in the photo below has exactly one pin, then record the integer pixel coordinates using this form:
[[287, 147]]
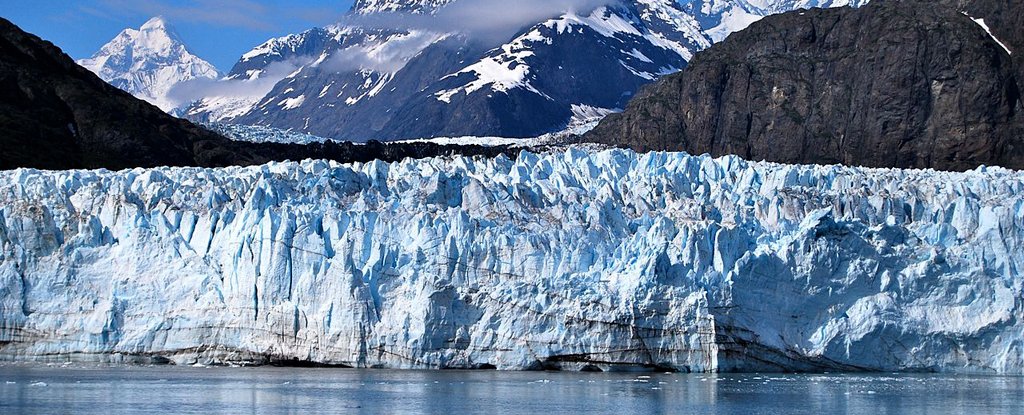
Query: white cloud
[[485, 20], [388, 56], [196, 89]]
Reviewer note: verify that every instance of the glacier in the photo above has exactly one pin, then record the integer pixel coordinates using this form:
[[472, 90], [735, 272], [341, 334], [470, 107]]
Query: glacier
[[573, 260]]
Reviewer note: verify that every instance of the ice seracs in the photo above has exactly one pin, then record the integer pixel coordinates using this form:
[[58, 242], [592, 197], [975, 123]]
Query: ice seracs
[[149, 63], [611, 259]]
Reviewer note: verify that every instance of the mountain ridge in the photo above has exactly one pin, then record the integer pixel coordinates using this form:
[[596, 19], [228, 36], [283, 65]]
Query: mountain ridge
[[467, 88]]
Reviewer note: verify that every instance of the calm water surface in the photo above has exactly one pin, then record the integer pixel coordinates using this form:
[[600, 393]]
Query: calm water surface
[[118, 390]]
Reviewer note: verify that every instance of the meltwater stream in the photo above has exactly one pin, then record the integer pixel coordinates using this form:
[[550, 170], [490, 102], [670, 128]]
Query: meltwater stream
[[118, 390]]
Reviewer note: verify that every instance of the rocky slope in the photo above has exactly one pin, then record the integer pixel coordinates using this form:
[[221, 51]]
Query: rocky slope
[[894, 84], [1003, 18], [149, 63], [56, 114], [577, 260]]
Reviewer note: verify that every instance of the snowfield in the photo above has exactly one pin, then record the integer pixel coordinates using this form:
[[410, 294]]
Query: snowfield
[[575, 260]]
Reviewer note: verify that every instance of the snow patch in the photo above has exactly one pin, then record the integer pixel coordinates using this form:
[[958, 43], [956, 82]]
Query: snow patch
[[292, 103], [981, 22], [732, 21]]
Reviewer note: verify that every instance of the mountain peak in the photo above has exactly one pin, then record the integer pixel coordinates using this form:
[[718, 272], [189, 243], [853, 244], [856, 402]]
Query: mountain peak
[[149, 62], [156, 23]]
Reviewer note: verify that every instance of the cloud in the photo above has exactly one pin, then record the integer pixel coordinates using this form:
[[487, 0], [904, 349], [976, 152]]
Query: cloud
[[246, 89], [246, 14], [388, 56], [236, 13], [488, 21]]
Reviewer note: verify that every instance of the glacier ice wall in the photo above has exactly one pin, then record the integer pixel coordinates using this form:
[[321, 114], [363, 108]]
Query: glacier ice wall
[[575, 260]]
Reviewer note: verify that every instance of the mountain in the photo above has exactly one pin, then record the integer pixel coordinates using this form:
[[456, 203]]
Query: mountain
[[148, 63], [367, 81], [577, 261], [892, 84], [258, 71], [55, 114], [397, 69]]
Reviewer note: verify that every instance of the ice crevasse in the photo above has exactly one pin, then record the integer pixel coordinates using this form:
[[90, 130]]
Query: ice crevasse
[[572, 260]]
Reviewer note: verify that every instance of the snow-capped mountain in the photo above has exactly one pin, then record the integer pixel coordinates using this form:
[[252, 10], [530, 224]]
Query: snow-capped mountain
[[720, 18], [149, 62], [564, 260], [259, 70], [361, 80], [355, 82]]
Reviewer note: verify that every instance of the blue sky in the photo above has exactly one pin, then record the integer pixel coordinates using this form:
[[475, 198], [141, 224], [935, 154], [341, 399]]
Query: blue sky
[[217, 30]]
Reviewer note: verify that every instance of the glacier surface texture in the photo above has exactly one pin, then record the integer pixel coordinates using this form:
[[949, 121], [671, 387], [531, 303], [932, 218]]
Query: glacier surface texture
[[571, 260]]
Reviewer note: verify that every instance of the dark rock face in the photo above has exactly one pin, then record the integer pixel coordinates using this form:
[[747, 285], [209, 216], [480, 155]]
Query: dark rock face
[[55, 114], [909, 84], [1005, 18]]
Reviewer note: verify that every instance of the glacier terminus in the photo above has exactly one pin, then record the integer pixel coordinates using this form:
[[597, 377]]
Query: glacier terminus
[[571, 260]]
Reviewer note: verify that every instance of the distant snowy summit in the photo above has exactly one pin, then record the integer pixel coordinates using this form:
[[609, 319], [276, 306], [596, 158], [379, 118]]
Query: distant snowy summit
[[149, 63]]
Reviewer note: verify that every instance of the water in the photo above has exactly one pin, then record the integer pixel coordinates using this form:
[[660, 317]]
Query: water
[[118, 390]]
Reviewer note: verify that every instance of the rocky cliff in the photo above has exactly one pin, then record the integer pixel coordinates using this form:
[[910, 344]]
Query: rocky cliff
[[891, 84]]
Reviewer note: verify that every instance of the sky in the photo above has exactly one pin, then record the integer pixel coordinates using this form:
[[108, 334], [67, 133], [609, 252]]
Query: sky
[[219, 31]]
